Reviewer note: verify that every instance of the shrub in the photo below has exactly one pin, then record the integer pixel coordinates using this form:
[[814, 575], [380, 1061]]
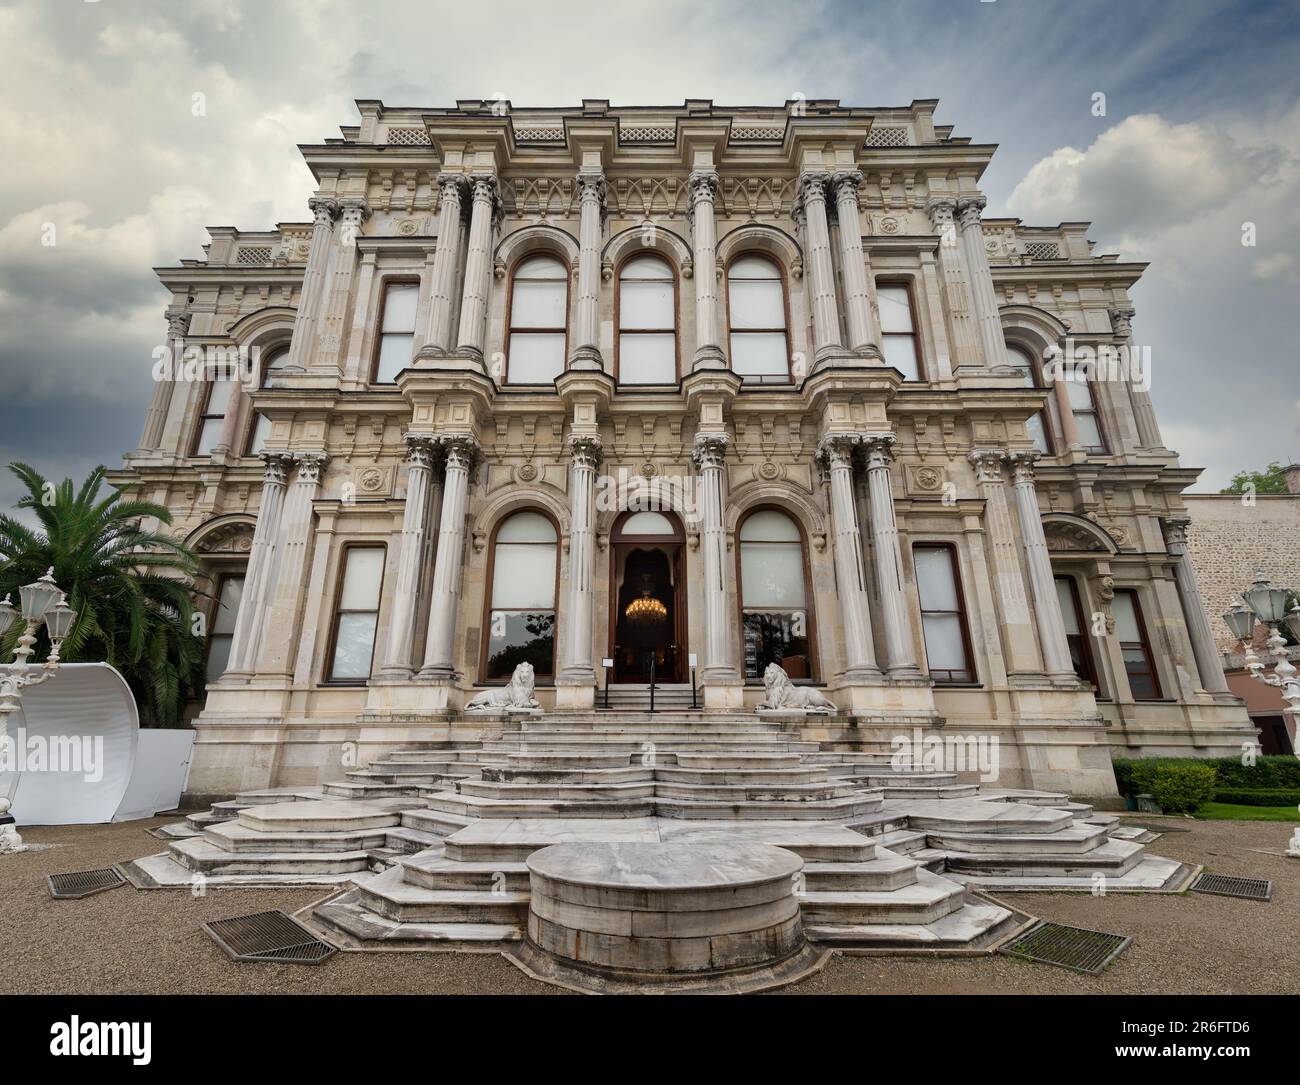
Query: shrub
[[1178, 785], [1274, 771], [1258, 796]]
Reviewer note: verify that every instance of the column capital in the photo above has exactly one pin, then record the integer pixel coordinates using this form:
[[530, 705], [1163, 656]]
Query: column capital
[[311, 465], [836, 449], [846, 183], [324, 209], [941, 210], [584, 450], [461, 450], [354, 210], [591, 186], [485, 189], [879, 448], [969, 209], [178, 322], [1022, 464], [710, 449], [1120, 322], [275, 469], [703, 185], [987, 463], [421, 450], [1175, 532]]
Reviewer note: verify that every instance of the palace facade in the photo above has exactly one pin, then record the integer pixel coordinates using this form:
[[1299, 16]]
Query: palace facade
[[674, 392]]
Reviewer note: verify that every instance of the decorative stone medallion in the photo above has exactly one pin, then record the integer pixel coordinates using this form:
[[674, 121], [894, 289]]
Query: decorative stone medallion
[[890, 225], [648, 470], [768, 470], [527, 472]]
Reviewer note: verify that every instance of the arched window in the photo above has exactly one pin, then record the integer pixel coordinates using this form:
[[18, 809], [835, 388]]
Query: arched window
[[1018, 358], [760, 347], [773, 595], [647, 322], [539, 304], [275, 363], [521, 600]]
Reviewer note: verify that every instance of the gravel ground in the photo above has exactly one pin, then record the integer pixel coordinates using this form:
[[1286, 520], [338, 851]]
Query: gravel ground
[[149, 942]]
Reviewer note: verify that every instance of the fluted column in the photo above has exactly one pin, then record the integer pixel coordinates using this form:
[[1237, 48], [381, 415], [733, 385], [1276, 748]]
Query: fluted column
[[178, 324], [580, 598], [1208, 661], [703, 191], [966, 351], [1042, 583], [1144, 414], [586, 349], [836, 452], [311, 295], [286, 593], [710, 456], [261, 560], [821, 269], [461, 452], [230, 424], [900, 646], [406, 590], [338, 293], [980, 277], [863, 335], [478, 268], [446, 268]]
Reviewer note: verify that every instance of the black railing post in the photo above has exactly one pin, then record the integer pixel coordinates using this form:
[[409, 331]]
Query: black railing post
[[652, 682]]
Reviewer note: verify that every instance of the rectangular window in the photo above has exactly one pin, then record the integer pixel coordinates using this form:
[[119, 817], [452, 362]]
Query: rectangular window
[[1077, 629], [396, 331], [943, 618], [357, 614], [898, 329], [258, 436], [1134, 645], [221, 626], [214, 416], [1086, 418]]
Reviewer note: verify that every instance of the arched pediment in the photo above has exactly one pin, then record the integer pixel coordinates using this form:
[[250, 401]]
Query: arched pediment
[[638, 239], [755, 237], [1067, 532], [265, 327], [1031, 328], [224, 536], [536, 239], [776, 494]]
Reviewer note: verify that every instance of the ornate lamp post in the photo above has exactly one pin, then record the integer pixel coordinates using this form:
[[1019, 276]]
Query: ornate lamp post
[[1267, 603], [41, 602]]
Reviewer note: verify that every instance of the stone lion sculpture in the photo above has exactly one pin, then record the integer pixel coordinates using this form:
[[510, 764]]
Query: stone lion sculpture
[[10, 841], [784, 695], [517, 695]]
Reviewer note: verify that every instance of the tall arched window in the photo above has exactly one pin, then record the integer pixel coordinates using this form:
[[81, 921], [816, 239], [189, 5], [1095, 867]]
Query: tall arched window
[[647, 322], [1018, 358], [521, 600], [773, 595], [539, 305], [760, 347]]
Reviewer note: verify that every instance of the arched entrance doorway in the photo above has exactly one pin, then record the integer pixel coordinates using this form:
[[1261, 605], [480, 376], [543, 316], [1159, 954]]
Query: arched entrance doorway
[[648, 600]]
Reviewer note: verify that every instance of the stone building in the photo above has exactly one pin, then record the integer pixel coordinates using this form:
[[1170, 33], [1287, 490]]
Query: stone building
[[676, 390]]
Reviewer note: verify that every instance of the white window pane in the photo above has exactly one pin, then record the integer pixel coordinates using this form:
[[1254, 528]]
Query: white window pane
[[944, 650], [768, 525], [647, 359], [523, 577], [261, 433], [219, 396], [538, 305], [756, 353], [353, 646], [232, 590], [753, 267], [1125, 615], [365, 570], [209, 435], [399, 307], [900, 352], [1079, 393], [756, 304], [535, 358], [646, 267], [645, 305], [1038, 432], [935, 583], [1089, 431], [218, 657], [394, 355], [541, 267], [1066, 597], [530, 527], [771, 575], [647, 523], [895, 309]]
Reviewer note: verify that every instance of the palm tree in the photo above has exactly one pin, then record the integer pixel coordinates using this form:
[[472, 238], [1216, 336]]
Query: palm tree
[[131, 588]]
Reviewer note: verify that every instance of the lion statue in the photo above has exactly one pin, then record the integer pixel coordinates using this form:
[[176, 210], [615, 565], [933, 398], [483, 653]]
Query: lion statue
[[784, 695], [517, 695]]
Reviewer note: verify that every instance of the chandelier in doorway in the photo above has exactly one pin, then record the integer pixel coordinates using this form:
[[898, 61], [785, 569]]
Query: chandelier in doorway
[[646, 609]]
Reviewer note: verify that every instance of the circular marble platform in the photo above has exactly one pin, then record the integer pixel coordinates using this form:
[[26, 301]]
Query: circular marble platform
[[621, 916]]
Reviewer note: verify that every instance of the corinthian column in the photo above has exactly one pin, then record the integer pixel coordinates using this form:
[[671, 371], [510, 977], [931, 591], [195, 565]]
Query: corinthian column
[[966, 350], [703, 190], [178, 324], [863, 339], [576, 667], [900, 647], [821, 270], [1047, 604], [292, 550], [261, 560], [1143, 413], [334, 314], [310, 297], [1208, 663], [586, 350], [406, 590], [446, 268], [836, 452], [478, 268], [710, 456], [439, 650], [981, 279]]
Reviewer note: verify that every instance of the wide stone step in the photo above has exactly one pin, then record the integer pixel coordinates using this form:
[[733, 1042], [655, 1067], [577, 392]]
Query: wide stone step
[[534, 760], [435, 822], [738, 760], [1077, 838], [757, 735], [905, 779], [977, 816], [944, 792], [972, 926], [557, 791], [821, 809], [509, 775], [1114, 857], [661, 744], [361, 927], [390, 896], [885, 872], [232, 836], [202, 856], [374, 789], [324, 815], [904, 841], [752, 792], [433, 870], [410, 841], [476, 806], [746, 777], [928, 898]]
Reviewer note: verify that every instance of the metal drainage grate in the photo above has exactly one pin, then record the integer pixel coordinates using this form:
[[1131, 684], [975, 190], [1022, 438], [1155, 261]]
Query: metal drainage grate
[[268, 936], [1075, 948], [83, 883], [1225, 885]]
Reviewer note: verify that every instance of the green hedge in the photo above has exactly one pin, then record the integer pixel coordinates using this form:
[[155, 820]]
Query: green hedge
[[1274, 771], [1178, 785], [1258, 796]]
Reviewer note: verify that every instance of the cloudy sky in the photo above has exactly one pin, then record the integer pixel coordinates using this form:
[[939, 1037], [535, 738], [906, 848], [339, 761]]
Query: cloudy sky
[[1201, 134]]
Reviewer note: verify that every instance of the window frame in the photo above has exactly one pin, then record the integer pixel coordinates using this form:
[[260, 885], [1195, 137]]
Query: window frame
[[785, 306], [810, 602], [222, 577], [1081, 616], [908, 284], [1102, 449], [336, 612], [618, 319], [510, 329], [1054, 446], [963, 613], [376, 347], [206, 416], [1144, 644], [485, 634]]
